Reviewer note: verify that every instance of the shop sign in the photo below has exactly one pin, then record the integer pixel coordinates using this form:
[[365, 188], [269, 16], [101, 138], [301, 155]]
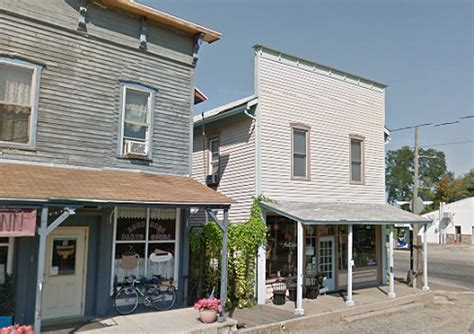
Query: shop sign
[[17, 223]]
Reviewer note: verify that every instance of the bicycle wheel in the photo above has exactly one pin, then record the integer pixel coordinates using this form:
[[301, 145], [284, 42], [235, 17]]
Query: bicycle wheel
[[126, 300], [163, 300]]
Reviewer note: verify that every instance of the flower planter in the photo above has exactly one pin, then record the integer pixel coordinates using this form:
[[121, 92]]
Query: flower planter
[[208, 316], [6, 320]]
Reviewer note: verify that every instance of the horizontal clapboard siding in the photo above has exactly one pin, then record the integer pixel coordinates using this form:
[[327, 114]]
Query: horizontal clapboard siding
[[237, 162], [78, 117], [334, 109]]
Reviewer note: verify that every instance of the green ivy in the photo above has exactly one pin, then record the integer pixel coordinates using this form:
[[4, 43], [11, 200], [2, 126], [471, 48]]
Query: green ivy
[[244, 239]]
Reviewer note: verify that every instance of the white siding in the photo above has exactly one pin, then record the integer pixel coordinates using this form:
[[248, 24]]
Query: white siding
[[237, 161], [334, 109]]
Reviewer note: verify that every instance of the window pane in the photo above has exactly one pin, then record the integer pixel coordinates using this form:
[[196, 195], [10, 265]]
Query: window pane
[[161, 229], [64, 256], [15, 85], [135, 131], [129, 260], [14, 123], [132, 228], [136, 106], [214, 146], [3, 263], [364, 253], [299, 141], [356, 150], [161, 260], [299, 165], [356, 172]]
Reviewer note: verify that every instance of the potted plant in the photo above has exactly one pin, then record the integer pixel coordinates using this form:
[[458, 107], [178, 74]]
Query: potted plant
[[17, 329], [7, 302], [208, 309]]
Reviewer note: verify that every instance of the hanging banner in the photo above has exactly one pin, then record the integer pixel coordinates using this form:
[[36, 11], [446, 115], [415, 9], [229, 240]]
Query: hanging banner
[[17, 223]]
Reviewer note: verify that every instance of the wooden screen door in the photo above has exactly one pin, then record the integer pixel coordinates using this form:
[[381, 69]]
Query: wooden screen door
[[326, 261], [66, 255]]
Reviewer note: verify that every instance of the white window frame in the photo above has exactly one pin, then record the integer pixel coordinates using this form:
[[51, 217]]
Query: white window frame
[[361, 140], [10, 247], [210, 160], [151, 107], [307, 129], [176, 242], [34, 100]]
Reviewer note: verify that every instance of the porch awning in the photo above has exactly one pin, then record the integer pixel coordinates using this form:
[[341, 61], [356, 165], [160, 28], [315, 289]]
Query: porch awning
[[38, 185], [334, 213]]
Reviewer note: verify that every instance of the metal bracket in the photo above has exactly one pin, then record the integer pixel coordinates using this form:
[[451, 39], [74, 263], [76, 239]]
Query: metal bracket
[[46, 231], [143, 33], [214, 218], [82, 16], [197, 45]]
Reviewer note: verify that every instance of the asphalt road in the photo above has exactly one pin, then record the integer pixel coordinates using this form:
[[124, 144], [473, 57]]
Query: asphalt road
[[450, 267]]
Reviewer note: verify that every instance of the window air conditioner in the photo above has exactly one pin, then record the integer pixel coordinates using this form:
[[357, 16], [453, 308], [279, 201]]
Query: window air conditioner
[[212, 180], [135, 148]]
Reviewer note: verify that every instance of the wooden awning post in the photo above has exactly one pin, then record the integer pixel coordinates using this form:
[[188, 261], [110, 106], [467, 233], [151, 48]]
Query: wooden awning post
[[224, 227], [43, 231]]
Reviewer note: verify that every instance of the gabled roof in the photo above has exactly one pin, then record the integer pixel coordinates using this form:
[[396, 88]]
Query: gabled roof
[[226, 110], [343, 213], [39, 184], [199, 96], [163, 18]]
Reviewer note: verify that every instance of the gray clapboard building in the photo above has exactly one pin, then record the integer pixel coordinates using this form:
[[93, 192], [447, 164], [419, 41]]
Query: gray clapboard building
[[95, 144]]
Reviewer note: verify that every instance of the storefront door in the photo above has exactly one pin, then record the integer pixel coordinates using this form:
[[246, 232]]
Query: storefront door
[[66, 254], [326, 260]]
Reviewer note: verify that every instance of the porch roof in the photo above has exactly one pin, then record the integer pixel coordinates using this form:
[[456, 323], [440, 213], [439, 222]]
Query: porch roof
[[22, 184], [334, 213]]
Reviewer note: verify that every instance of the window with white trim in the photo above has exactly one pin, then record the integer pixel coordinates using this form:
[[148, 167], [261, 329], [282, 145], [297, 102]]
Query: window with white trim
[[19, 86], [214, 156], [357, 161], [145, 243], [137, 111], [300, 153]]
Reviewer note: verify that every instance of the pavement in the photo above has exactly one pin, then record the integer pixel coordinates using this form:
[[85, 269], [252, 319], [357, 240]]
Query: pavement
[[450, 267]]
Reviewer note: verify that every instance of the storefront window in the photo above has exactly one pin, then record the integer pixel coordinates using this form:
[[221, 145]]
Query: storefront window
[[364, 246], [3, 258], [64, 256], [281, 247], [145, 243]]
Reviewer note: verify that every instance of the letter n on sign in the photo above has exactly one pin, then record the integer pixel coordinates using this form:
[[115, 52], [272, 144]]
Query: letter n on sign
[[17, 223]]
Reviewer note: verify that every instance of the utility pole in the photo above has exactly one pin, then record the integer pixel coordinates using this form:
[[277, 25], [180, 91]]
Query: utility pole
[[416, 240]]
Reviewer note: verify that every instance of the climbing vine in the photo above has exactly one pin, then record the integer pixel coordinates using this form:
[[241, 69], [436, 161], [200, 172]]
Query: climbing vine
[[244, 239]]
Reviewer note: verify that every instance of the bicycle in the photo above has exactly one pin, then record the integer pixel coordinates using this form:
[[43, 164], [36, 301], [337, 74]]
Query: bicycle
[[154, 294]]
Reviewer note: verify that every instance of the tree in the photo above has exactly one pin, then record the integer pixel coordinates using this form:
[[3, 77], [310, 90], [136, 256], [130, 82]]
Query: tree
[[450, 189], [399, 173]]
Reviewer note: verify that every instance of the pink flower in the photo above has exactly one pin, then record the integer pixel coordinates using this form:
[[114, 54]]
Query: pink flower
[[208, 304]]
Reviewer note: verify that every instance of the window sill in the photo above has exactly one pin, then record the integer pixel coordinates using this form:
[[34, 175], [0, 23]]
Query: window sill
[[17, 146], [296, 178], [362, 183], [134, 158]]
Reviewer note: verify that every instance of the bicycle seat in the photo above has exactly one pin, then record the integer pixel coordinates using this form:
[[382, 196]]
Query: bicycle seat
[[158, 277]]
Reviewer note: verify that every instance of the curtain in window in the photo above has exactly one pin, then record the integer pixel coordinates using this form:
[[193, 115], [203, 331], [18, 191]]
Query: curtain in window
[[136, 109], [15, 103]]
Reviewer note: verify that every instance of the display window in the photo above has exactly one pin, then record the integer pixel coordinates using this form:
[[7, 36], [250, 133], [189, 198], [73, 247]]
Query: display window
[[281, 247], [364, 251], [145, 243]]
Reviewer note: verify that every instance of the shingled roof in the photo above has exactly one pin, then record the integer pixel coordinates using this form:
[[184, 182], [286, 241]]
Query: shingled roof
[[37, 183]]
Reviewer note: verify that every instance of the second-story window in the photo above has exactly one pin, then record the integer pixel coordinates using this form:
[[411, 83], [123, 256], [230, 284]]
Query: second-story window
[[300, 152], [19, 83], [357, 160], [137, 107], [214, 156]]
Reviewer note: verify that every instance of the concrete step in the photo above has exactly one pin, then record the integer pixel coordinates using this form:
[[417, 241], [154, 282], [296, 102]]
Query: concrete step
[[384, 312]]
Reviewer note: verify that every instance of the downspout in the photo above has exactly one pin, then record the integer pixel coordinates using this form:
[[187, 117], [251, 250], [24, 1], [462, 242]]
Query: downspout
[[255, 117], [204, 150]]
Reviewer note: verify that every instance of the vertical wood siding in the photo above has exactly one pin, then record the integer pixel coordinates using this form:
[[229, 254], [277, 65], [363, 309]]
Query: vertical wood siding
[[79, 107], [237, 161], [334, 109]]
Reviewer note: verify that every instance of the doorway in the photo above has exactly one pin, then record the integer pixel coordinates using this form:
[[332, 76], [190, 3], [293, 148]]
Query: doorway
[[65, 272], [326, 261]]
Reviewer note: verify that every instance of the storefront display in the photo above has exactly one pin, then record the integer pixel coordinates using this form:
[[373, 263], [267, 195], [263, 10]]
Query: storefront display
[[145, 243], [281, 247]]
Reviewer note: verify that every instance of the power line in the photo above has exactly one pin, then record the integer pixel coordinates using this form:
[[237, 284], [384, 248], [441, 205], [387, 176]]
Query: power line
[[434, 124], [449, 143]]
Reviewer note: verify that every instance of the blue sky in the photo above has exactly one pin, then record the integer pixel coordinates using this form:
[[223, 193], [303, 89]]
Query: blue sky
[[423, 50]]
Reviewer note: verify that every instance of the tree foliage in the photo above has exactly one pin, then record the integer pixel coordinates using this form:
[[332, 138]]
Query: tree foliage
[[400, 168]]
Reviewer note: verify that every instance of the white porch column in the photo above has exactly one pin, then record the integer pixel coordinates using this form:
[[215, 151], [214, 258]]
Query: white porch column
[[261, 270], [349, 301], [391, 293], [425, 259], [42, 231], [300, 277], [384, 254]]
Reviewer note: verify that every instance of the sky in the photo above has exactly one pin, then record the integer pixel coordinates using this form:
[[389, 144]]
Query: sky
[[422, 49]]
